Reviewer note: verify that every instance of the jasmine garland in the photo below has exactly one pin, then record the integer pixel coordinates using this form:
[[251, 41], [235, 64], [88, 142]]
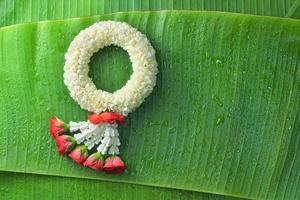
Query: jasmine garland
[[89, 41], [95, 143]]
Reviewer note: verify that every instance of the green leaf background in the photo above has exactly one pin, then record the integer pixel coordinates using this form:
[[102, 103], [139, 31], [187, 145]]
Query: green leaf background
[[222, 123], [20, 11]]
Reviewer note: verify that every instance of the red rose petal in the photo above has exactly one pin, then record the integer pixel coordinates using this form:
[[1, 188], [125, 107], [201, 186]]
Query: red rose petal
[[108, 117]]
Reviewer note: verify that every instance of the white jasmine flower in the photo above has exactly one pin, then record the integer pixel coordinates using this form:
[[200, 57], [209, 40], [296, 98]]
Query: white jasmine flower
[[89, 41]]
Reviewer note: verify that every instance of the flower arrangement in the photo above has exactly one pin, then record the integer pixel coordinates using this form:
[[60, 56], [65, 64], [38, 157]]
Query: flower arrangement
[[77, 140], [95, 143]]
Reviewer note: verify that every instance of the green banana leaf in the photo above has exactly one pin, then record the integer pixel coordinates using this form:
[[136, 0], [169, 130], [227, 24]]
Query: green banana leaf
[[223, 119], [294, 10], [20, 11], [25, 186]]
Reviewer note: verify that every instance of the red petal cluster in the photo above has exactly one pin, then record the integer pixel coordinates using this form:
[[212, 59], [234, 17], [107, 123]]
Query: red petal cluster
[[64, 144], [57, 127], [79, 154], [94, 161], [114, 165], [108, 117]]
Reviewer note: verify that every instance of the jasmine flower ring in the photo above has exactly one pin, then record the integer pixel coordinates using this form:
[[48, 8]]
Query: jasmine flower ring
[[90, 40]]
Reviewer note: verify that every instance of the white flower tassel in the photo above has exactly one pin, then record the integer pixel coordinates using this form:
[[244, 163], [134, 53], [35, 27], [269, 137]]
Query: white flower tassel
[[91, 135], [110, 142]]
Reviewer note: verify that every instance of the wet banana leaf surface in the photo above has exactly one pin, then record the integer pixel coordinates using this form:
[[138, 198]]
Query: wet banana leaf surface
[[20, 11], [223, 118]]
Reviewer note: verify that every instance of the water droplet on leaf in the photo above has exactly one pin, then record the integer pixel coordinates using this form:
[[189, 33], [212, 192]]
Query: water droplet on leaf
[[220, 120], [218, 101], [219, 63]]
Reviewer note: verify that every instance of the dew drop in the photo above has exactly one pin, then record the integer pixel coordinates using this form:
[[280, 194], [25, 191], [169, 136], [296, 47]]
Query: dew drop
[[219, 63], [220, 120], [149, 124], [269, 87], [165, 123], [218, 101], [172, 130]]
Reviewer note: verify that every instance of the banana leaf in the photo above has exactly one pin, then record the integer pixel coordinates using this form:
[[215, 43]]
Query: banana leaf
[[294, 10], [20, 11], [26, 186], [223, 119]]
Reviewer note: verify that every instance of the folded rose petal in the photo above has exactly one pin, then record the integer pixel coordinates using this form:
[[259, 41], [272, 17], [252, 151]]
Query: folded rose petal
[[64, 144], [95, 161], [114, 165], [79, 154], [57, 127], [108, 117]]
